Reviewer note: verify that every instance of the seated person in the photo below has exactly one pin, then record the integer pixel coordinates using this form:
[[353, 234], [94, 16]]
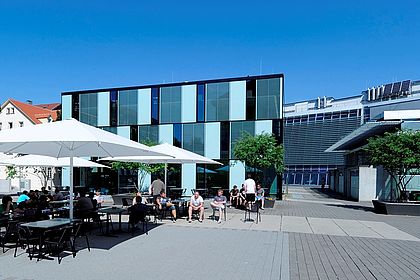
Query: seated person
[[57, 194], [196, 204], [99, 198], [137, 211], [219, 203], [259, 196], [6, 204], [23, 197], [139, 199], [163, 203], [84, 206], [234, 196], [242, 196], [94, 201]]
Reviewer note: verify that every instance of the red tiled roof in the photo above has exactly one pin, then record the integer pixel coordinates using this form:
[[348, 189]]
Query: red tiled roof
[[50, 106], [33, 112]]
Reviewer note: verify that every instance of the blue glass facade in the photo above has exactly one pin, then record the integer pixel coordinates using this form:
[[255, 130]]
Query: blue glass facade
[[205, 117]]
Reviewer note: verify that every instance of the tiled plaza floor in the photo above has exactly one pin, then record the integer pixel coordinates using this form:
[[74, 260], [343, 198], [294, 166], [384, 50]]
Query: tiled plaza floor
[[310, 236]]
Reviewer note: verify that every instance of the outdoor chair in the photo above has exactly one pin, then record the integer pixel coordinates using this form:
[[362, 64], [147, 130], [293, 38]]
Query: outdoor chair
[[57, 241], [78, 230], [217, 210], [253, 207], [29, 241], [10, 235], [135, 217]]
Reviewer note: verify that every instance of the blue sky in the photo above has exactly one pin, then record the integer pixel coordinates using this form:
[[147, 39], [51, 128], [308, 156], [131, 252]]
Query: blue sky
[[333, 48]]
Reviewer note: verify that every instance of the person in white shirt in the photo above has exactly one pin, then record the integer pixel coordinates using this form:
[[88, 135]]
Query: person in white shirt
[[196, 204], [99, 198], [250, 189]]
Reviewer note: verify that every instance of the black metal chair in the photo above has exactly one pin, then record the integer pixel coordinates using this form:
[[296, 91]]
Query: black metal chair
[[10, 235], [253, 207], [217, 210], [78, 230], [57, 241], [29, 241]]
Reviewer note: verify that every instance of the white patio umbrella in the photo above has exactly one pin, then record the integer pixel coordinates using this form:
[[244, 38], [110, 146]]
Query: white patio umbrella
[[37, 160], [69, 138], [176, 155]]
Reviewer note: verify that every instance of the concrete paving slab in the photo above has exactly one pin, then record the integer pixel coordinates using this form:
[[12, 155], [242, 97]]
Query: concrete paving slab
[[268, 222], [389, 232], [295, 224], [356, 228], [325, 226]]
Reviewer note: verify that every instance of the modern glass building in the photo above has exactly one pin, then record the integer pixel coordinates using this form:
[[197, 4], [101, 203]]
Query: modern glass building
[[312, 126], [205, 117]]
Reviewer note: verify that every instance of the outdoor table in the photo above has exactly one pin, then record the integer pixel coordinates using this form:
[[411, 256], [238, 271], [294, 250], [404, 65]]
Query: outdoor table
[[46, 225], [110, 211]]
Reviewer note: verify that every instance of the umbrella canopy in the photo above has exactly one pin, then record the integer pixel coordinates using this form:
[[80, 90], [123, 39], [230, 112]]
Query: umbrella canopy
[[176, 155], [69, 138], [37, 160]]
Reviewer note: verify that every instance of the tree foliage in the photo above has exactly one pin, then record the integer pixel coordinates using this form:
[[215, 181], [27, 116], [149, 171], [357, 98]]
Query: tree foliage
[[399, 154], [260, 151], [142, 169]]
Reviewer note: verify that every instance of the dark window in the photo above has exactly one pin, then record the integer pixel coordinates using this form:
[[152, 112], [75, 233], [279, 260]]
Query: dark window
[[134, 133], [201, 97], [224, 140], [327, 116], [296, 120], [88, 108], [155, 105], [217, 102], [251, 100], [113, 114], [304, 118], [336, 115], [127, 107], [353, 113], [268, 99], [277, 128], [193, 138], [177, 139], [289, 120], [75, 107], [319, 117], [344, 114], [149, 134], [311, 117], [170, 104], [238, 129]]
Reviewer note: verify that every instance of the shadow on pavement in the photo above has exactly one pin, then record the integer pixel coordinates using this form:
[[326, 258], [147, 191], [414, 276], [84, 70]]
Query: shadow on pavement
[[327, 193], [354, 207]]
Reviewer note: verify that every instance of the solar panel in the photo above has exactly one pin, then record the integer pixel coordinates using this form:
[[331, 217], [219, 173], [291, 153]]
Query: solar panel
[[387, 90], [396, 88], [405, 86]]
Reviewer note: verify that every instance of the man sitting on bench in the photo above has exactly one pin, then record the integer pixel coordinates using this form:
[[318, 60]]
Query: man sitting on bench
[[196, 204]]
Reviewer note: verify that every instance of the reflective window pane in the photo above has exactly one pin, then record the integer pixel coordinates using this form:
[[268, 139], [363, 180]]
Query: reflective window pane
[[237, 130], [193, 138], [170, 104], [88, 108], [217, 102], [268, 99], [127, 107]]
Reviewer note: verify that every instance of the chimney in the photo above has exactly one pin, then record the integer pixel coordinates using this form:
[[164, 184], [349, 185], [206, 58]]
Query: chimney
[[29, 102]]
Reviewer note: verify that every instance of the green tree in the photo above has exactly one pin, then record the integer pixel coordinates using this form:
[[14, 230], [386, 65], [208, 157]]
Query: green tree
[[142, 169], [399, 154], [260, 151]]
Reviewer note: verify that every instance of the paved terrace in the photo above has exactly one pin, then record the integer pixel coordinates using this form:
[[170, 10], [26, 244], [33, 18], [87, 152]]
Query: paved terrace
[[312, 235]]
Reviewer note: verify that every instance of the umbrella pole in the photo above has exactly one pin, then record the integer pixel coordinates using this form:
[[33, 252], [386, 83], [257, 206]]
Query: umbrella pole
[[71, 187], [166, 174]]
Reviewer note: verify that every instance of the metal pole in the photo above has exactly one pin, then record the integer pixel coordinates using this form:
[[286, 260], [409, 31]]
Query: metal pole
[[71, 186], [166, 174]]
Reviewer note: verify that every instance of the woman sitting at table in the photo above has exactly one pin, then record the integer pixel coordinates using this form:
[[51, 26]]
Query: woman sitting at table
[[6, 204]]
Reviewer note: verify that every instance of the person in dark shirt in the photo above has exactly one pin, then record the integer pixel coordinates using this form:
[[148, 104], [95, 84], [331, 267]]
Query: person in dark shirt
[[163, 202], [234, 196], [219, 203]]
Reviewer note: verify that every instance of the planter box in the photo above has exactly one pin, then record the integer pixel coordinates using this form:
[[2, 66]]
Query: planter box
[[269, 203], [396, 208]]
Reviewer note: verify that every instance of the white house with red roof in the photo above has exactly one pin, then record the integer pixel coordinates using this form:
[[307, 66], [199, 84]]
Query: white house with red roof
[[15, 114]]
